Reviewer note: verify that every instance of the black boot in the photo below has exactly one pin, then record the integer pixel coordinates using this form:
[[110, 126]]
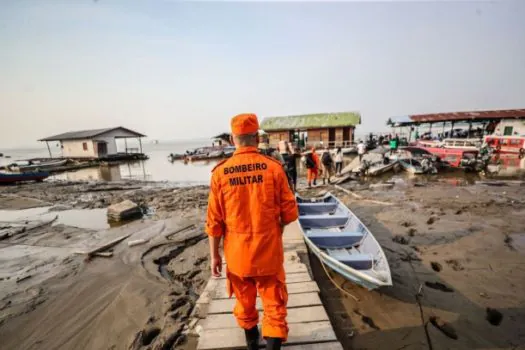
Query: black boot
[[273, 343], [252, 338]]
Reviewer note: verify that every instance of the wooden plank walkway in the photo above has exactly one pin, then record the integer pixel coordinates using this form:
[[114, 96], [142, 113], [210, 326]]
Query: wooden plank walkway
[[308, 321]]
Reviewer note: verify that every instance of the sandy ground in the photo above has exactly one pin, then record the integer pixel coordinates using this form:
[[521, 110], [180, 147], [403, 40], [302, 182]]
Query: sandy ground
[[455, 252], [456, 255], [140, 298]]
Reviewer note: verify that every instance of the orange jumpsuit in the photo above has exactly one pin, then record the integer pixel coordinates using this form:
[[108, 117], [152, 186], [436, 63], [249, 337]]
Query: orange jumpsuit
[[249, 203], [312, 173]]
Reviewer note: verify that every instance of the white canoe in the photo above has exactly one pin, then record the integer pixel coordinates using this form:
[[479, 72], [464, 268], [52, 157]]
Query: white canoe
[[342, 242]]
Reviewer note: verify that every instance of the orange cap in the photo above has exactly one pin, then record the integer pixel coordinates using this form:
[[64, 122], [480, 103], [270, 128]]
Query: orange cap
[[244, 124]]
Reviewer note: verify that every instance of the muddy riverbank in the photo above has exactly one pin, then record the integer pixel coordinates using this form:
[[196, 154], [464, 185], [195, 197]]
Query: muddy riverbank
[[141, 297], [456, 255], [458, 265]]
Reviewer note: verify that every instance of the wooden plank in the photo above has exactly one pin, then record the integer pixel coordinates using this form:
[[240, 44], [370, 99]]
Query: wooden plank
[[294, 267], [318, 346], [293, 288], [300, 333], [105, 246], [291, 278], [298, 277], [297, 315], [221, 306]]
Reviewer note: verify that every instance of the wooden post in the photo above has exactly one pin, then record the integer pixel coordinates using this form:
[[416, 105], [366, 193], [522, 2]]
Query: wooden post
[[451, 130], [126, 144], [140, 144], [49, 150]]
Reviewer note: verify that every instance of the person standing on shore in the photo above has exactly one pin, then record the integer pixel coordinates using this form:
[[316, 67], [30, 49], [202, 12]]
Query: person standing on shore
[[394, 143], [338, 161], [312, 167], [327, 165], [361, 150], [290, 162], [249, 204]]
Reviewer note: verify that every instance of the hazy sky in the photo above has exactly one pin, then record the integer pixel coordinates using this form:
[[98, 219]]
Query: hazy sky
[[178, 70]]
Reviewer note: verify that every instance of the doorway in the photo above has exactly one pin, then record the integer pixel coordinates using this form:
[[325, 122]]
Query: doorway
[[331, 137], [102, 149], [346, 136]]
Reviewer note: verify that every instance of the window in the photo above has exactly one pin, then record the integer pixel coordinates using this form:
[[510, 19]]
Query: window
[[515, 142], [84, 146], [508, 131]]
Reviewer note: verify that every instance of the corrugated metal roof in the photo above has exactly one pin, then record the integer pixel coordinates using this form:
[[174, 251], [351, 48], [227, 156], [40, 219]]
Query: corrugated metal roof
[[87, 134], [311, 121], [474, 115]]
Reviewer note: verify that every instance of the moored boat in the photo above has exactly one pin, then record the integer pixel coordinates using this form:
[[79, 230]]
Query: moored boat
[[12, 178], [455, 158], [40, 166], [342, 242], [416, 160], [375, 168]]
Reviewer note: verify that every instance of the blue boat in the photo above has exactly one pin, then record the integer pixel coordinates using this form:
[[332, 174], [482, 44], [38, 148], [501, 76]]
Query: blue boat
[[12, 178], [342, 242]]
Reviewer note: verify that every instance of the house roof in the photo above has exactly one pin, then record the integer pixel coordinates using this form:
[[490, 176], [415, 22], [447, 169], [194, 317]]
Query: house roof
[[87, 134], [311, 121]]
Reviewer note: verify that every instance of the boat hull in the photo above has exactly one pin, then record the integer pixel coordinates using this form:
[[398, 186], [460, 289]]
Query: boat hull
[[45, 166], [22, 177], [342, 242]]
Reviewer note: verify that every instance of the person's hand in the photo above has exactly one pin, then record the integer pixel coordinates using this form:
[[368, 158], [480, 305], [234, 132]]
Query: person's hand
[[216, 266]]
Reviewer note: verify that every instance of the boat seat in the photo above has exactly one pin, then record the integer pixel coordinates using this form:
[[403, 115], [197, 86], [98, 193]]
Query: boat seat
[[317, 208], [327, 239], [358, 261], [322, 221]]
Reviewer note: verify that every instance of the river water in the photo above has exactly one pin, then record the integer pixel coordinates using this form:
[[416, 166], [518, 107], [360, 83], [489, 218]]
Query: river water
[[156, 168]]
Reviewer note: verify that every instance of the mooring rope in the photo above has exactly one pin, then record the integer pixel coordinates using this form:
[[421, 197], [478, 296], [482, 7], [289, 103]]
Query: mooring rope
[[335, 284]]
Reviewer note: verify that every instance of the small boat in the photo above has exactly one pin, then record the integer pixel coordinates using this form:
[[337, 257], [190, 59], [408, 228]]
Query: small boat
[[228, 151], [342, 242], [12, 178], [415, 160], [40, 166], [375, 168], [415, 166]]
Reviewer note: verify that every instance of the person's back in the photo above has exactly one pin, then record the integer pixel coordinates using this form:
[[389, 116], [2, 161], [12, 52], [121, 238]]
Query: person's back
[[361, 148], [250, 201], [251, 185]]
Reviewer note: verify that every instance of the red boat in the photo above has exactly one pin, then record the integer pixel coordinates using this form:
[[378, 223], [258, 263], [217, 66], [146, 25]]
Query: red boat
[[452, 156], [13, 178], [507, 144]]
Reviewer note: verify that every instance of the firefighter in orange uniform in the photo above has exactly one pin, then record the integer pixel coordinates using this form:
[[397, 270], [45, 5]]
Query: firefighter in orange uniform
[[312, 172], [249, 204]]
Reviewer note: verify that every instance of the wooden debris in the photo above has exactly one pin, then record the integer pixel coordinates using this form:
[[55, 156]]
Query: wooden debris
[[104, 254], [106, 246], [137, 242], [179, 231], [21, 279]]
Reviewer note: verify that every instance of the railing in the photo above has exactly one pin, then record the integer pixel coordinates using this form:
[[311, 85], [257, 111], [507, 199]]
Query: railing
[[132, 150], [331, 144]]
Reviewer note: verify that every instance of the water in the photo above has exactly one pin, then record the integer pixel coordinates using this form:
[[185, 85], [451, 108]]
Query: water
[[156, 168], [92, 219]]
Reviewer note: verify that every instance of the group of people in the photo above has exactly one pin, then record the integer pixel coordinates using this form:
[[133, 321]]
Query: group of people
[[324, 166]]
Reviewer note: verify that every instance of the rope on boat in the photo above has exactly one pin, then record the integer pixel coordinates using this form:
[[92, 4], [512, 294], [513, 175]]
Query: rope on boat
[[335, 284]]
